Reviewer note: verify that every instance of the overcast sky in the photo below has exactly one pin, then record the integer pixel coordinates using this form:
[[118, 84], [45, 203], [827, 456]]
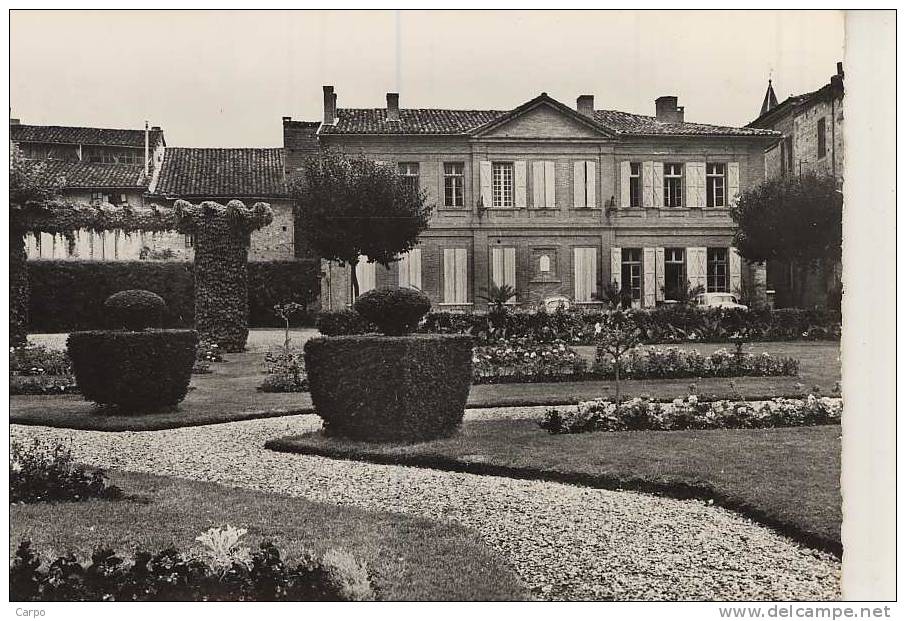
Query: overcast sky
[[217, 78]]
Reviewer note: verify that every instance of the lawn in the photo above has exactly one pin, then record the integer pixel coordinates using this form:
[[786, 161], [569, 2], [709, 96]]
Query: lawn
[[409, 558], [230, 393], [788, 478]]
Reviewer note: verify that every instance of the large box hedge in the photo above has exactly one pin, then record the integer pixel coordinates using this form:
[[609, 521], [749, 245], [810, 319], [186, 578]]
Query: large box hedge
[[390, 388], [69, 295]]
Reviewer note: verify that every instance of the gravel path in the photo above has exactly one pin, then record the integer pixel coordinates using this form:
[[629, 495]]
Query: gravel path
[[566, 542]]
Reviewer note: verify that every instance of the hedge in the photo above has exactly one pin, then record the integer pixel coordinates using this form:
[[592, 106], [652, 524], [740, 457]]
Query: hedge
[[389, 388], [69, 295], [135, 371], [671, 324]]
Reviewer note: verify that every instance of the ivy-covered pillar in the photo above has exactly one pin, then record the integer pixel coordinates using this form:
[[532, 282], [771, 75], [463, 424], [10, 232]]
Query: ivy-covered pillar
[[18, 289], [221, 240]]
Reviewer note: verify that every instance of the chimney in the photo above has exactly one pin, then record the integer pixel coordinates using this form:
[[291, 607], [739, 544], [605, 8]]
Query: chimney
[[147, 155], [585, 104], [14, 121], [840, 69], [393, 106], [330, 106], [667, 111]]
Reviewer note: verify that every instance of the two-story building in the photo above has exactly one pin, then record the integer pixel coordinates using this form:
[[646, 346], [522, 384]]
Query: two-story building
[[550, 199], [811, 128]]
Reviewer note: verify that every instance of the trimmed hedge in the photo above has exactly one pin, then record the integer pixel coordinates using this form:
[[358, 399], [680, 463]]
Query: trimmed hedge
[[135, 371], [669, 324], [69, 295], [390, 388], [394, 310], [134, 309]]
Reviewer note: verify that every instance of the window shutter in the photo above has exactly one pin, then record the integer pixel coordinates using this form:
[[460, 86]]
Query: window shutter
[[404, 270], [519, 172], [426, 172], [585, 273], [497, 267], [538, 185], [616, 264], [578, 184], [696, 266], [509, 267], [449, 275], [735, 271], [415, 268], [364, 273], [648, 277], [695, 184], [550, 185], [732, 182], [462, 295], [657, 184], [485, 174], [590, 185], [659, 280], [647, 185], [624, 183], [578, 274]]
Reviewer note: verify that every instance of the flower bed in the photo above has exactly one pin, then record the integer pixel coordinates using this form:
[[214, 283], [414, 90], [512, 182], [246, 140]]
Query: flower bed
[[521, 361], [42, 473], [673, 363], [224, 571], [36, 370], [643, 414]]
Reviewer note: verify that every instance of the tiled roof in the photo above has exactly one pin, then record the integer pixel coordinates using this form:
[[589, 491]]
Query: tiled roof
[[83, 135], [436, 121], [225, 173], [89, 175]]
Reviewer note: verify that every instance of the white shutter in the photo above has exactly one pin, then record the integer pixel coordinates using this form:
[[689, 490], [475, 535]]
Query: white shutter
[[410, 269], [462, 279], [449, 275], [364, 273], [616, 266], [578, 272], [585, 268], [550, 185], [403, 267], [519, 170], [695, 185], [648, 279], [509, 267], [732, 182], [735, 271], [538, 185], [625, 168], [696, 266], [659, 280], [497, 267], [578, 184], [427, 177], [647, 184], [590, 185], [657, 184], [485, 173]]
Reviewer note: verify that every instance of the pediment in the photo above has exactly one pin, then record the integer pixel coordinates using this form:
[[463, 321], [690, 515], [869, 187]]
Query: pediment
[[543, 118]]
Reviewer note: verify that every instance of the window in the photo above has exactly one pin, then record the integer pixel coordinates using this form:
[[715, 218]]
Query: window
[[822, 138], [409, 172], [453, 184], [674, 273], [718, 279], [107, 155], [635, 184], [585, 268], [99, 197], [410, 269], [503, 267], [673, 185], [788, 141], [631, 272], [502, 188], [716, 179], [455, 276], [544, 184], [584, 185]]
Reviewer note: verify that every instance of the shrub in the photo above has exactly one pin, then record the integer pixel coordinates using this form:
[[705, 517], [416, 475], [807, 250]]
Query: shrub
[[285, 371], [38, 360], [206, 353], [68, 295], [46, 473], [642, 414], [389, 388], [394, 310], [133, 370], [343, 322], [135, 309], [673, 363], [231, 574]]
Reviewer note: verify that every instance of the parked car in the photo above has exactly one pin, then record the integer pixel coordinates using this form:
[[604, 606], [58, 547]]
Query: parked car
[[718, 300]]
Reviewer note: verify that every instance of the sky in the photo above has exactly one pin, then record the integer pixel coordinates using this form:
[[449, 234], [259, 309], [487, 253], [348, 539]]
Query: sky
[[226, 78]]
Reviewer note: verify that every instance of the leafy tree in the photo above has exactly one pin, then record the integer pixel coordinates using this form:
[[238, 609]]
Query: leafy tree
[[616, 338], [351, 206], [798, 220]]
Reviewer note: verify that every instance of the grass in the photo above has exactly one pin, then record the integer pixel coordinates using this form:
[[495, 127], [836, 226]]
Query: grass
[[230, 392], [409, 558], [788, 479]]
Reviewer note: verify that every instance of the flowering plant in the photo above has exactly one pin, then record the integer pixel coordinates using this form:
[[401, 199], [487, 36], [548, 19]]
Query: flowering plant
[[519, 360]]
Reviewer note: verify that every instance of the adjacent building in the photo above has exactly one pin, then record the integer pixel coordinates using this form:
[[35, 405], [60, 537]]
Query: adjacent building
[[552, 200], [811, 128]]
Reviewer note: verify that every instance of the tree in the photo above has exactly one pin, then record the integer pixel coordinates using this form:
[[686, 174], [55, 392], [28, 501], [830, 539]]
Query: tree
[[351, 207], [617, 337], [798, 220]]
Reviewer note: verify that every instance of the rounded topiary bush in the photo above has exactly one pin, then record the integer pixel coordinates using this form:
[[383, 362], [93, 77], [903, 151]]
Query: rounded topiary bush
[[390, 388], [135, 309], [394, 310], [135, 371]]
